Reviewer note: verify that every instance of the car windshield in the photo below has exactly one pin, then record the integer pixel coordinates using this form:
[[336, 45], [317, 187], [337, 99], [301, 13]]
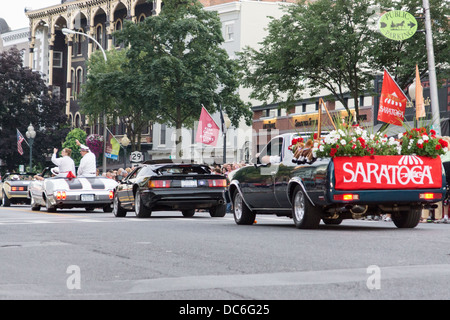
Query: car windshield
[[19, 177], [182, 169]]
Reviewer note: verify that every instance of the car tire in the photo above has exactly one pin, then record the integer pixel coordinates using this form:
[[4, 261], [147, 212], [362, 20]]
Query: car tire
[[188, 213], [408, 219], [242, 214], [304, 214], [118, 211], [34, 206], [5, 201], [139, 208], [48, 206], [218, 211]]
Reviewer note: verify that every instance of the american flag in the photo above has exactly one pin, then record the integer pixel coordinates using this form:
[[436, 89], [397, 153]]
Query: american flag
[[20, 139]]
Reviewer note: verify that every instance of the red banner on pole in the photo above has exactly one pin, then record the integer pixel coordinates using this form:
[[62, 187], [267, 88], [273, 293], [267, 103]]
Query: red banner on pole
[[392, 102], [387, 172], [207, 131]]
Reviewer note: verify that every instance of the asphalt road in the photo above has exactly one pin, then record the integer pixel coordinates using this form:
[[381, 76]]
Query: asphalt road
[[73, 254]]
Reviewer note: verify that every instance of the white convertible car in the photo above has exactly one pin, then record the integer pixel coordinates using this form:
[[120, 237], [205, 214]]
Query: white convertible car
[[81, 192]]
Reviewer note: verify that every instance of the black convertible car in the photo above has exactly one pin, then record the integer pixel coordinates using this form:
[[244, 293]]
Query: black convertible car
[[169, 186]]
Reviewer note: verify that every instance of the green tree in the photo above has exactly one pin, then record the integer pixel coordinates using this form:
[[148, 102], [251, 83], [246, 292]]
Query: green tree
[[115, 89], [401, 57], [70, 142], [334, 45], [24, 99], [319, 45], [180, 66]]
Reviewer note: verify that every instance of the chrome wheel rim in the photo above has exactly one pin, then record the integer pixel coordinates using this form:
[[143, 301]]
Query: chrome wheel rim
[[137, 203], [238, 206], [115, 205], [299, 206]]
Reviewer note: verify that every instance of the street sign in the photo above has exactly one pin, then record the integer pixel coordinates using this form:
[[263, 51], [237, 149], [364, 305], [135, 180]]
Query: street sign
[[136, 156], [397, 25]]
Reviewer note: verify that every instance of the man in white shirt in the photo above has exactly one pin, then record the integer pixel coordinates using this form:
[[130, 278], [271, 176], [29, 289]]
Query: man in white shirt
[[65, 164], [88, 163]]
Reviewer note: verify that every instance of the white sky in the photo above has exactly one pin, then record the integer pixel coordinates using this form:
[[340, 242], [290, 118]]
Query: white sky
[[13, 10]]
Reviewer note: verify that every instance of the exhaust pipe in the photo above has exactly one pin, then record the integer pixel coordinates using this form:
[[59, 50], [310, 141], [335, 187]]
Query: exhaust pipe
[[357, 211]]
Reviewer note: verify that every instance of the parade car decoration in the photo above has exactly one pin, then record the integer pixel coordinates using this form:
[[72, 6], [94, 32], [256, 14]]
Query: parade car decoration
[[170, 186], [79, 192], [334, 188], [14, 188]]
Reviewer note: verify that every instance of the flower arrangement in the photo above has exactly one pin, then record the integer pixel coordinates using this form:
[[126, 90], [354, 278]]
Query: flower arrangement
[[419, 141], [355, 141], [95, 143]]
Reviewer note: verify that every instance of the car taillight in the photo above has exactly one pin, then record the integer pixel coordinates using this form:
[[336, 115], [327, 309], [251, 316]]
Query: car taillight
[[61, 195], [159, 183], [217, 183], [346, 197], [17, 188], [111, 194], [430, 196]]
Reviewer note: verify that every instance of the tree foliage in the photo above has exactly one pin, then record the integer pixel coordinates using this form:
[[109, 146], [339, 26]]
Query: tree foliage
[[24, 99], [115, 89], [179, 64], [334, 45]]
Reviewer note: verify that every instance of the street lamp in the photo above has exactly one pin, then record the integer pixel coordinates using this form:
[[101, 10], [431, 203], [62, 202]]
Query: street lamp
[[226, 126], [66, 32], [412, 91], [125, 142], [31, 134]]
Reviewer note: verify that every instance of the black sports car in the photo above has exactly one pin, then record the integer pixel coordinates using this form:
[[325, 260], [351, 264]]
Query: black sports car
[[168, 186]]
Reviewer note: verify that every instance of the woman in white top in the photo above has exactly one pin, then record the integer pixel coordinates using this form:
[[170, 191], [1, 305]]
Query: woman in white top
[[65, 164]]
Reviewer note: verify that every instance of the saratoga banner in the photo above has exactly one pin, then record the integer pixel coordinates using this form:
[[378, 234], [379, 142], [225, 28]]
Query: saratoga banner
[[387, 172], [207, 131], [392, 102]]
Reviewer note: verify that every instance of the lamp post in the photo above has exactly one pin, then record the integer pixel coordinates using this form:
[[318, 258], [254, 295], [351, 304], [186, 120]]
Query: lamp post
[[67, 31], [125, 142], [436, 119], [31, 134], [226, 126]]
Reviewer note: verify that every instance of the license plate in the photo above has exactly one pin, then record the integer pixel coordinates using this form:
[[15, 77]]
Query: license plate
[[188, 183], [87, 197]]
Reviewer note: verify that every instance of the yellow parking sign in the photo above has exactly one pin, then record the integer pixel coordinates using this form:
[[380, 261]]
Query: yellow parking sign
[[397, 25]]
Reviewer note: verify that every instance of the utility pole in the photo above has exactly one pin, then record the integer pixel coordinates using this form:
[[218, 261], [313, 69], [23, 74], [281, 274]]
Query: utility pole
[[436, 120]]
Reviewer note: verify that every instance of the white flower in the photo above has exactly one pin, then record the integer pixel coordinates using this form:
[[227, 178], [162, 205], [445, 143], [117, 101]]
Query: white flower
[[400, 135], [343, 142], [425, 137], [420, 141]]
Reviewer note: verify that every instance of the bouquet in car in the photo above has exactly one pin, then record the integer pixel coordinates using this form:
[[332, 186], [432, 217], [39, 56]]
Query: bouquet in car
[[356, 141]]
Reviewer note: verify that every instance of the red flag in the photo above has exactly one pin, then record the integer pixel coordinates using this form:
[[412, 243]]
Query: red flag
[[208, 131], [392, 102]]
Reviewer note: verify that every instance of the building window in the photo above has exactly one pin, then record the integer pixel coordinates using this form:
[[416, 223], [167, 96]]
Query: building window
[[79, 80], [229, 31], [57, 59], [163, 134], [98, 35]]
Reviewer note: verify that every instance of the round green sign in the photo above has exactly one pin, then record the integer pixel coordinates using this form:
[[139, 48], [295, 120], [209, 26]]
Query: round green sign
[[397, 25]]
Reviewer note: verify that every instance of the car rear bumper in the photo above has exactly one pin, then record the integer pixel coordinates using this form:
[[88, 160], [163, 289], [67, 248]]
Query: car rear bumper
[[182, 199]]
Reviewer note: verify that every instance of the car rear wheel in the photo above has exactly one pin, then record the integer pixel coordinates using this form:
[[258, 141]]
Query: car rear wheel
[[218, 211], [49, 206], [139, 208], [34, 206], [407, 219], [304, 214], [188, 213], [118, 211], [242, 214], [5, 201]]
